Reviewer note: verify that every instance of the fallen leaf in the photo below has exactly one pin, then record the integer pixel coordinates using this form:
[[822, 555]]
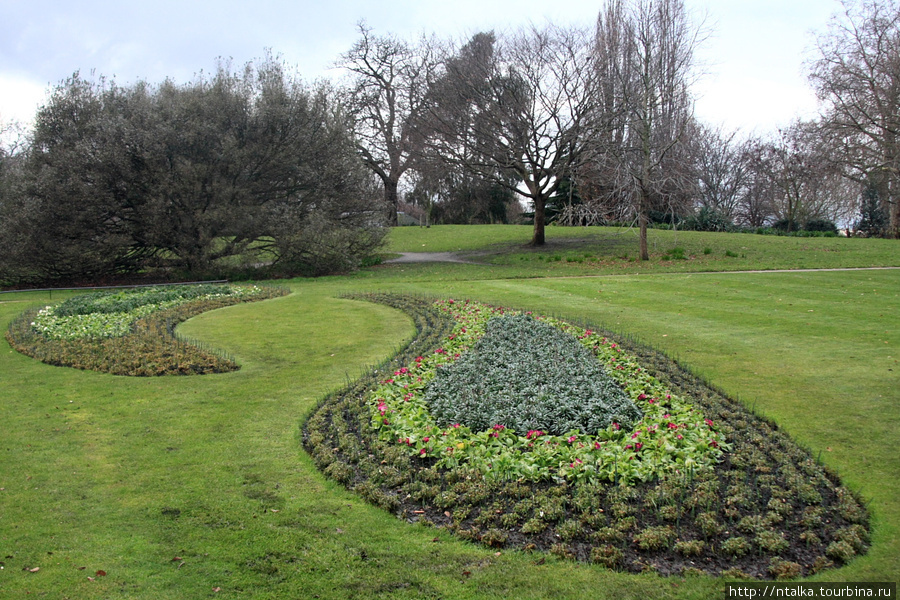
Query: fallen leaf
[[82, 568], [91, 578], [176, 558], [100, 573], [217, 589], [34, 570]]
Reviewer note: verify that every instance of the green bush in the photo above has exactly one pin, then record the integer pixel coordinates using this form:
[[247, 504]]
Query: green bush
[[822, 225], [707, 219], [528, 375]]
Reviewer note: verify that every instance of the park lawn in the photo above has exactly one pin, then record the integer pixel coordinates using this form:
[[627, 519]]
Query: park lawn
[[125, 476], [503, 251]]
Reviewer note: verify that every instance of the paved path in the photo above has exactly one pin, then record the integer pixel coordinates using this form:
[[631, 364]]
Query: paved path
[[420, 257]]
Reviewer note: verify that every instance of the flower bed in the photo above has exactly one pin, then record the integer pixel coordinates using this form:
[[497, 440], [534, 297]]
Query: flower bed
[[764, 508], [671, 437], [129, 332], [113, 314]]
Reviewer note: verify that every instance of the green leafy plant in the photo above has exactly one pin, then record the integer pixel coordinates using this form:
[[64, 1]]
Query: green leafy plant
[[528, 376]]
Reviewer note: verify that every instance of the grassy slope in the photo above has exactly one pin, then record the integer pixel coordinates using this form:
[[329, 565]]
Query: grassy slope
[[124, 475], [606, 250]]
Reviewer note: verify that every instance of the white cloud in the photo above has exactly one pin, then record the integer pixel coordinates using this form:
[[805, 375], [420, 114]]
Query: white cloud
[[20, 99]]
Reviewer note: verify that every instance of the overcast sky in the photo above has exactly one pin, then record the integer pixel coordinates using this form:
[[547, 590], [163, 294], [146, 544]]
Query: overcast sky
[[754, 75]]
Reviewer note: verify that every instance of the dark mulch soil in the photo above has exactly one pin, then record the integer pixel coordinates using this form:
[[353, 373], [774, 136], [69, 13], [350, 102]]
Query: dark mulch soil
[[768, 510]]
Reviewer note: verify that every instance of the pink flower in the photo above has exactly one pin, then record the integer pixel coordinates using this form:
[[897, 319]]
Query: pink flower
[[422, 452], [709, 422], [572, 438], [616, 426]]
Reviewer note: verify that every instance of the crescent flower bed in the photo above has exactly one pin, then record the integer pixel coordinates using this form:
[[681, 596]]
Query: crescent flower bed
[[130, 332], [589, 447], [113, 314]]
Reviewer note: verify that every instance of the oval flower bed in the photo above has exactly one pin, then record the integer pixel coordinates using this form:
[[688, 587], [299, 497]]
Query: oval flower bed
[[130, 332], [732, 496]]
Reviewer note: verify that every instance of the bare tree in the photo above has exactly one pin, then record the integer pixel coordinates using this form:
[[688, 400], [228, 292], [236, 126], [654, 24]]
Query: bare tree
[[386, 96], [721, 169], [516, 110], [803, 182], [857, 79], [644, 56]]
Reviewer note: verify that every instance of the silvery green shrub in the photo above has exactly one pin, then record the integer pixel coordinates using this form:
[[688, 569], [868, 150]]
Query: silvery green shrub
[[528, 375]]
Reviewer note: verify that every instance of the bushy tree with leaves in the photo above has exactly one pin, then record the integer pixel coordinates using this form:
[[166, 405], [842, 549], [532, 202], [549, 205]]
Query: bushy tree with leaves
[[120, 179]]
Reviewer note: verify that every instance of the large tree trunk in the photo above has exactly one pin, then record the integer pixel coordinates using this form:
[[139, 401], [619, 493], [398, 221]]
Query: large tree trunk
[[645, 252], [539, 222], [391, 201]]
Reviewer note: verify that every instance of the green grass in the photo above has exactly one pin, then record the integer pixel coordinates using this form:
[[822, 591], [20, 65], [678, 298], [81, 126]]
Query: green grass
[[124, 475], [573, 251]]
